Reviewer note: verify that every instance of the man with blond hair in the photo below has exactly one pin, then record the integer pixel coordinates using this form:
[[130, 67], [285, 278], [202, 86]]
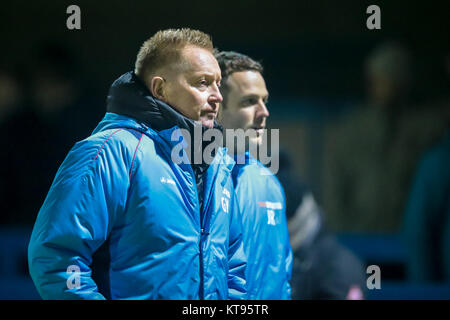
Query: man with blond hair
[[123, 220]]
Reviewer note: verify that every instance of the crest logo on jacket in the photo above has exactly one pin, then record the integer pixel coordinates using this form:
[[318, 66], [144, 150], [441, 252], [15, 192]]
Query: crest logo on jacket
[[271, 207]]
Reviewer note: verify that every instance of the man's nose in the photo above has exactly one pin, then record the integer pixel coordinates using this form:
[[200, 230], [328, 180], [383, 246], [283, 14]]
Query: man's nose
[[262, 110], [215, 96]]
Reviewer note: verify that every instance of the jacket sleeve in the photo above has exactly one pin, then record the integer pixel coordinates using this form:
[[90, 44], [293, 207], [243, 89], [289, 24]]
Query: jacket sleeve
[[89, 190], [289, 260], [237, 261], [288, 255]]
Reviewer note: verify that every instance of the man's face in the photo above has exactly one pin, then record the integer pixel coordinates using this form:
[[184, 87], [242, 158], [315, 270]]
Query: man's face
[[192, 86], [245, 105]]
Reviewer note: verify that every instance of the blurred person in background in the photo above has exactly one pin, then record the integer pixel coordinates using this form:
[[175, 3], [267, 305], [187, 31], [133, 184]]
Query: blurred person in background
[[426, 224], [371, 153], [40, 135], [426, 227], [323, 269], [12, 93], [260, 195], [12, 97]]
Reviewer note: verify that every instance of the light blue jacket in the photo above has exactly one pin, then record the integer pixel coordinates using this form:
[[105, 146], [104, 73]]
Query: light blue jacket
[[265, 232], [119, 197]]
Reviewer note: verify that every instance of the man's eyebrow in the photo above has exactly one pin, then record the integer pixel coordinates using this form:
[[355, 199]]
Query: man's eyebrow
[[248, 96], [205, 74], [254, 95]]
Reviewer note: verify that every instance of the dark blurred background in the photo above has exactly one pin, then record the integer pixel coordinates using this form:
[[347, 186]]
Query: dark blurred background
[[363, 114]]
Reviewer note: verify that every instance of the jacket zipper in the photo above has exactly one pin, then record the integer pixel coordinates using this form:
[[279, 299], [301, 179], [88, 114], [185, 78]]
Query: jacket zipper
[[202, 281], [203, 234]]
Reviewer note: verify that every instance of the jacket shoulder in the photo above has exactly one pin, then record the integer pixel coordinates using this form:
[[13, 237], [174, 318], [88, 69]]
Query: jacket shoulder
[[257, 177], [109, 147], [255, 171]]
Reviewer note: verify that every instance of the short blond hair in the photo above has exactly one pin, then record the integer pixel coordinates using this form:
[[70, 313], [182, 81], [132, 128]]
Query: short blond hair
[[164, 47]]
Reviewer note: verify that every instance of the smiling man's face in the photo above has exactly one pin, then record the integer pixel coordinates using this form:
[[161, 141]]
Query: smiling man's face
[[245, 103], [192, 86]]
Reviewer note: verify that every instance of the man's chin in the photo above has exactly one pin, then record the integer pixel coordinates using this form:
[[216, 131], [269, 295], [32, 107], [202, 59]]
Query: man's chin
[[209, 123]]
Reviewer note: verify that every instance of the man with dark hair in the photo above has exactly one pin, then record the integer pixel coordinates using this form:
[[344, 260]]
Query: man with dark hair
[[260, 195], [155, 228]]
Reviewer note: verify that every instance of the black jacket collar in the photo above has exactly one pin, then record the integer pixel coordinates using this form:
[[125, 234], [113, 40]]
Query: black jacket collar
[[129, 96]]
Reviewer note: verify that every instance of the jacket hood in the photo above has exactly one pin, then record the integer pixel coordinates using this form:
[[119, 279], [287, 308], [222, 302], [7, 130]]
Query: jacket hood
[[129, 96], [113, 121]]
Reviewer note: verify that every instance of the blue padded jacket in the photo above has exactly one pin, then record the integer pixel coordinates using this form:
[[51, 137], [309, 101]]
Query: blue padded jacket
[[266, 238], [123, 221]]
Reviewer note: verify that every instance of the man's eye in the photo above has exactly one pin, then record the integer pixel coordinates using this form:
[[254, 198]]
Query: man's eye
[[249, 102]]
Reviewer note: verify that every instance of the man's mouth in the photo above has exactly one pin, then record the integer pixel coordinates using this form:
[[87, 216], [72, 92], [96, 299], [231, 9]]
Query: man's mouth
[[210, 114], [259, 130]]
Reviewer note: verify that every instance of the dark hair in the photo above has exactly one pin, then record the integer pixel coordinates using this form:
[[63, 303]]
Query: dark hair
[[230, 62]]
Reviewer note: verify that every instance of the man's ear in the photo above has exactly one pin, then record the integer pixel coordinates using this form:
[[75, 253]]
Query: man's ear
[[157, 87]]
